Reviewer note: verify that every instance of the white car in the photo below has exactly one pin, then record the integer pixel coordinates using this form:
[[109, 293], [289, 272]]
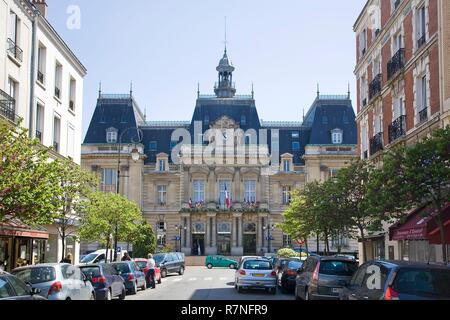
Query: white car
[[256, 273], [99, 256]]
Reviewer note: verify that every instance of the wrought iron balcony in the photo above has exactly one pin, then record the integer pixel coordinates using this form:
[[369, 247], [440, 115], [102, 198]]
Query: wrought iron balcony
[[396, 63], [375, 86], [422, 116], [8, 107], [397, 129], [39, 135], [57, 92], [14, 50], [421, 41], [376, 143], [40, 77]]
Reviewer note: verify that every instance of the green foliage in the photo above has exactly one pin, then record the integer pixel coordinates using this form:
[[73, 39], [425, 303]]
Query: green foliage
[[28, 179], [144, 241], [167, 248], [287, 253]]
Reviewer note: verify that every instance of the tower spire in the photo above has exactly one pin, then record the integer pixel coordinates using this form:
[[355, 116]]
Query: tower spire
[[131, 89], [318, 90], [198, 89], [348, 91], [99, 89], [226, 34]]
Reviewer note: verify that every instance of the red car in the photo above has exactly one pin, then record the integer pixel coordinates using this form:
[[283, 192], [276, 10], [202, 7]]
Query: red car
[[143, 265]]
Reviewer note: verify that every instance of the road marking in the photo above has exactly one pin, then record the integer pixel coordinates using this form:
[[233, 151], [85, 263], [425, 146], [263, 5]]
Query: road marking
[[208, 279], [193, 279], [177, 280], [223, 279]]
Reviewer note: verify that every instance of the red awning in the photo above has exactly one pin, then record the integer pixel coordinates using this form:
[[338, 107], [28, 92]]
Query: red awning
[[16, 228], [420, 225]]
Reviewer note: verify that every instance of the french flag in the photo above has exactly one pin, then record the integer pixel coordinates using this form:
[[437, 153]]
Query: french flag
[[190, 203], [227, 198]]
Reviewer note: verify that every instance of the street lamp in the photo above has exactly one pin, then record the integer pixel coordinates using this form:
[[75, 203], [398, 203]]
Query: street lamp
[[135, 156], [180, 228], [269, 228]]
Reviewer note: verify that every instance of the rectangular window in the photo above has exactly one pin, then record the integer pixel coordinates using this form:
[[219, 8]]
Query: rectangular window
[[111, 137], [58, 80], [286, 195], [424, 93], [199, 191], [56, 133], [337, 137], [70, 141], [162, 165], [295, 135], [42, 57], [224, 189], [286, 165], [40, 122], [153, 146], [295, 146], [398, 42], [287, 241], [250, 191], [333, 173], [72, 94], [13, 27], [162, 194], [109, 177], [398, 108]]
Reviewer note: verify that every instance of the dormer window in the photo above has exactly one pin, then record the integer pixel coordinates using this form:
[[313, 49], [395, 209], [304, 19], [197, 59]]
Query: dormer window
[[162, 165], [336, 136], [286, 165], [111, 135], [243, 120]]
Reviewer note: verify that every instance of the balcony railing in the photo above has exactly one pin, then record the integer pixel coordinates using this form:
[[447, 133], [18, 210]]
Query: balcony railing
[[421, 41], [376, 143], [40, 77], [8, 106], [71, 105], [422, 116], [57, 92], [14, 50], [108, 188], [397, 129], [396, 63], [39, 135], [375, 86]]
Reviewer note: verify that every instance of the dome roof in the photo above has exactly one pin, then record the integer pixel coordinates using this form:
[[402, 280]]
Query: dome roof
[[225, 63]]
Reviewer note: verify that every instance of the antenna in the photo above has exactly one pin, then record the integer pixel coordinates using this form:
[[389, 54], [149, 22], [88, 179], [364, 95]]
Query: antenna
[[226, 42], [131, 88], [198, 89], [318, 90], [99, 89], [348, 90]]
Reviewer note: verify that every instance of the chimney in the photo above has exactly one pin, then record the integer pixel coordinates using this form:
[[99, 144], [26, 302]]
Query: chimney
[[41, 5]]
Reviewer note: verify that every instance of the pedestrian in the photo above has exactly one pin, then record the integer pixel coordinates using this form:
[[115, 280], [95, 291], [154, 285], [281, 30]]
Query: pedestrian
[[150, 276], [67, 259], [126, 257], [262, 252]]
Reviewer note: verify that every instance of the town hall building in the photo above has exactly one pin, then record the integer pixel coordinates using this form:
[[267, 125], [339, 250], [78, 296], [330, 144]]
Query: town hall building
[[219, 183]]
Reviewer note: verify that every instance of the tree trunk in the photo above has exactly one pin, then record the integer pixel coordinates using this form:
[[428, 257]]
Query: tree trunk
[[306, 247], [63, 243], [363, 240], [438, 220], [107, 249], [327, 245], [318, 244]]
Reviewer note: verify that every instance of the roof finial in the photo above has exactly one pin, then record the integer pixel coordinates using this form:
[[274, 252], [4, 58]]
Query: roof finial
[[318, 90], [99, 89], [225, 34], [131, 89], [348, 91], [145, 114], [198, 89]]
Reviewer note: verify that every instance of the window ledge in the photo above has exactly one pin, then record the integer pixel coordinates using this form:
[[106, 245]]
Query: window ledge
[[57, 99], [41, 84], [72, 112], [14, 60]]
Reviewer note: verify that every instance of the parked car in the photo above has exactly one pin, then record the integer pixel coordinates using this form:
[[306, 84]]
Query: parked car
[[99, 256], [131, 275], [172, 262], [108, 284], [287, 274], [12, 288], [324, 277], [256, 273], [57, 281], [220, 262], [143, 265], [399, 281]]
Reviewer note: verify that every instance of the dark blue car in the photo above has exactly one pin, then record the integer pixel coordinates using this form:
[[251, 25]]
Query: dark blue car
[[131, 275], [108, 284]]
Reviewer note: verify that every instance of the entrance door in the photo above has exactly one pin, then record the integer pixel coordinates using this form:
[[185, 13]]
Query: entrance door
[[224, 244], [198, 244], [249, 244]]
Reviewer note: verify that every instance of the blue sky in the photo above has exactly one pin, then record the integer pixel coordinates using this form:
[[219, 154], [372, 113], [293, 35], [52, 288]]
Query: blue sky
[[167, 46]]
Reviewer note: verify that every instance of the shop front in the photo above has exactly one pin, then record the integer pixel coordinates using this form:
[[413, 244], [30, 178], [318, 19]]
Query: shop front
[[21, 245], [419, 236]]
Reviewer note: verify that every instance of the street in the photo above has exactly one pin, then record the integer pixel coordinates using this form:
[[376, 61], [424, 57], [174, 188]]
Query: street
[[200, 283]]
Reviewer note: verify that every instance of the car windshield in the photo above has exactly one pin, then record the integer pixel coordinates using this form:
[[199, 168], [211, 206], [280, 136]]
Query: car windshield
[[89, 257], [122, 268], [257, 265], [141, 264], [158, 258], [338, 268], [93, 272], [423, 282], [295, 265], [36, 275]]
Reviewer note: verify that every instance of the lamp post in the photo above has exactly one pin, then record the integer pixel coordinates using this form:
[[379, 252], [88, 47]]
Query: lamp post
[[269, 228], [135, 155], [180, 227]]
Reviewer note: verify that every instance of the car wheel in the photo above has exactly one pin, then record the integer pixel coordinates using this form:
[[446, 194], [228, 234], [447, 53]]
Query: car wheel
[[123, 294], [232, 266], [163, 273], [134, 289], [209, 266], [181, 272], [109, 295], [159, 280]]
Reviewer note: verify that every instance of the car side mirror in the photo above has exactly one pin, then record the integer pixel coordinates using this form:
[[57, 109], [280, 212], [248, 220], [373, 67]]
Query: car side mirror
[[33, 291]]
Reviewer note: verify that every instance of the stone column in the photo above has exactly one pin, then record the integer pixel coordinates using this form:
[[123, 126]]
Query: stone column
[[187, 250], [214, 231], [237, 249], [211, 234]]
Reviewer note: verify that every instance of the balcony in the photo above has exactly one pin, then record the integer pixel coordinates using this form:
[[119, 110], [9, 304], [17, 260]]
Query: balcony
[[376, 143], [8, 107], [397, 129], [421, 42], [39, 135], [108, 188], [57, 92], [375, 86], [396, 63], [422, 116], [14, 50], [40, 77]]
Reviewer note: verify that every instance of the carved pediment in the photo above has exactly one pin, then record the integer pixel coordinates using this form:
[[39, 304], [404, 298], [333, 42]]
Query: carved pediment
[[225, 123]]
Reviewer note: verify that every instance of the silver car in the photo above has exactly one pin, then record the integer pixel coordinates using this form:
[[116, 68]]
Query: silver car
[[256, 273], [57, 281]]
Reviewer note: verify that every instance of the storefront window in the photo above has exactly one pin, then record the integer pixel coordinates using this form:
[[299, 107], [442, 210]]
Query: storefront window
[[405, 250], [38, 251], [4, 253], [23, 252]]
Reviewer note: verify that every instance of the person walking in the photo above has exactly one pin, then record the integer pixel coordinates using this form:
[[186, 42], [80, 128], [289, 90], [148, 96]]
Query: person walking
[[126, 257], [150, 276], [67, 259]]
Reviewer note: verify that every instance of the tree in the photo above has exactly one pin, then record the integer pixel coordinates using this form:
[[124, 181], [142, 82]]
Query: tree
[[106, 212], [75, 185], [28, 179], [144, 240], [287, 253], [418, 176]]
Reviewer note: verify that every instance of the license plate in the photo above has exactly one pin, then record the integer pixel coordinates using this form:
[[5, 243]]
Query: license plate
[[337, 290], [259, 275]]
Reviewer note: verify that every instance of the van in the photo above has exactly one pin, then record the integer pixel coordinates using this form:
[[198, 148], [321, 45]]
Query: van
[[99, 256], [172, 262]]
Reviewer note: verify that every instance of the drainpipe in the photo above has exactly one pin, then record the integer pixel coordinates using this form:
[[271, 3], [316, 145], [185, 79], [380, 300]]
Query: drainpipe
[[33, 71]]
